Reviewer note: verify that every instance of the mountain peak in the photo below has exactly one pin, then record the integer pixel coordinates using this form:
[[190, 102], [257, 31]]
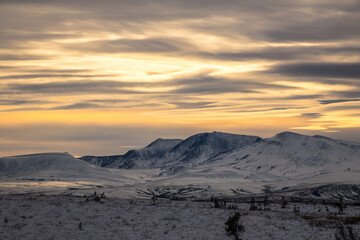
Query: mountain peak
[[161, 141], [288, 134], [322, 137], [50, 154]]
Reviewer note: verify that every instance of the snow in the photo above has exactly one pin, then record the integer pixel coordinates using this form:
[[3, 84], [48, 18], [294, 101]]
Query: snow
[[285, 156], [59, 217], [164, 152], [40, 194], [34, 163], [220, 164]]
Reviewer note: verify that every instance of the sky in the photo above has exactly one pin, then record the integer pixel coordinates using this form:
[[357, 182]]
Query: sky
[[102, 77]]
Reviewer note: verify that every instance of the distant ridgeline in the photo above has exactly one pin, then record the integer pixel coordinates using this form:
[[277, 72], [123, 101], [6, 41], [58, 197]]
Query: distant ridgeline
[[229, 163], [265, 154]]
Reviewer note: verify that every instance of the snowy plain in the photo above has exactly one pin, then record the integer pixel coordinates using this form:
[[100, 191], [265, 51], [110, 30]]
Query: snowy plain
[[71, 217]]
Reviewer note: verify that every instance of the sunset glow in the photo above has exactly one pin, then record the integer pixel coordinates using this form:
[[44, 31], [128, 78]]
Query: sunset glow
[[90, 77]]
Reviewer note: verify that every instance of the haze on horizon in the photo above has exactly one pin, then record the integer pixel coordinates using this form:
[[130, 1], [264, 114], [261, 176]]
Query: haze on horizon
[[102, 77]]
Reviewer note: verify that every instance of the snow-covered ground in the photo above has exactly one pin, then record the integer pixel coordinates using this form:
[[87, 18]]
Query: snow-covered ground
[[73, 217], [41, 194]]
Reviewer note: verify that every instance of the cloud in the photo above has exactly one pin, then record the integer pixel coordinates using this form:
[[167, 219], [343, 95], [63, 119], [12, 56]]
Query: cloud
[[14, 57], [72, 87], [247, 110], [10, 39], [45, 45], [6, 67], [282, 53], [79, 106], [328, 28], [16, 102], [200, 84], [311, 115], [347, 94], [32, 76], [290, 97], [75, 106], [106, 101], [342, 107], [331, 101], [300, 97], [319, 70], [193, 105], [33, 69], [147, 45], [204, 84]]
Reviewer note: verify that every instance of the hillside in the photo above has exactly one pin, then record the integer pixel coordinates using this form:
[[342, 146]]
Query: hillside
[[200, 166], [165, 152]]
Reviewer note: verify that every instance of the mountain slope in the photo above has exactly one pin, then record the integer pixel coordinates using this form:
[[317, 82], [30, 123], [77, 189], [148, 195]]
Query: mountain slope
[[205, 164], [289, 155], [141, 158], [287, 162], [34, 163], [165, 152], [205, 146], [283, 157]]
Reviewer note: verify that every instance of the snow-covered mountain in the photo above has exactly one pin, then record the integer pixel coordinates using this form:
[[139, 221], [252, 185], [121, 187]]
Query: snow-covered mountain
[[202, 147], [143, 158], [166, 152], [63, 163], [203, 164], [54, 166], [238, 163], [285, 155], [289, 155]]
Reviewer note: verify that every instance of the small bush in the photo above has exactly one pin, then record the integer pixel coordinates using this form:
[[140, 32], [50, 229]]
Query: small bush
[[233, 207], [296, 209], [216, 203], [283, 202], [253, 207], [233, 227]]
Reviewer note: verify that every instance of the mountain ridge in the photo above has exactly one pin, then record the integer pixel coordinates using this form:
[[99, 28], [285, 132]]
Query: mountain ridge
[[196, 148], [219, 163], [203, 148]]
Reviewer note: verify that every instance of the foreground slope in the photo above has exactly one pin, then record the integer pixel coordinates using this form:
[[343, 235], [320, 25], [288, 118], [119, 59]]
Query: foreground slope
[[67, 217]]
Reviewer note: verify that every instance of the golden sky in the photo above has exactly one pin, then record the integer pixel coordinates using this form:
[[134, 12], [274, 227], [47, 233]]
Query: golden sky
[[102, 77]]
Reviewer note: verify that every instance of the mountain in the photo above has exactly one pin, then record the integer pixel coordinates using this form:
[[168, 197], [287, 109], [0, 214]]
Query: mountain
[[63, 163], [204, 164], [291, 156], [230, 163], [205, 146], [285, 156], [166, 152], [143, 158]]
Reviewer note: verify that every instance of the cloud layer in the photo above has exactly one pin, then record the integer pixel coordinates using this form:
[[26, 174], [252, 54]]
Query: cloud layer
[[197, 65]]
